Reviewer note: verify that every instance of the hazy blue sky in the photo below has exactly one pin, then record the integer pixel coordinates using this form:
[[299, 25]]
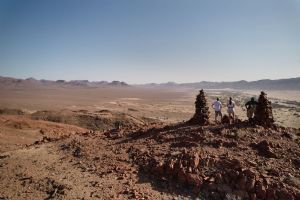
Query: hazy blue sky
[[150, 40]]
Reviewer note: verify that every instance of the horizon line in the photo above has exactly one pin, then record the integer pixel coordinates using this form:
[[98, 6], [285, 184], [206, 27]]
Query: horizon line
[[147, 83]]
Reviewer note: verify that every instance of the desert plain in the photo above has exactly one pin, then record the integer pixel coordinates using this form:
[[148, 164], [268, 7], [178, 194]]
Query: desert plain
[[116, 142]]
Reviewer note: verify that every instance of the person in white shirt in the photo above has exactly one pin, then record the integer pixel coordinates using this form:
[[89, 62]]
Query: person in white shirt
[[217, 105], [230, 108]]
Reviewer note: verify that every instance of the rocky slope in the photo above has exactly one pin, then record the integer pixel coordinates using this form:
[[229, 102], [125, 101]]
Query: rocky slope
[[218, 162], [182, 161]]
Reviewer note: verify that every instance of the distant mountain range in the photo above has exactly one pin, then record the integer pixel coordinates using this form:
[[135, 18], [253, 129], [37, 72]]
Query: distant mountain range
[[31, 82], [265, 84]]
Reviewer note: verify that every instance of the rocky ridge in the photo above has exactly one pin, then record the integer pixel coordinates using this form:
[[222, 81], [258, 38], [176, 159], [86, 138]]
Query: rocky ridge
[[240, 160]]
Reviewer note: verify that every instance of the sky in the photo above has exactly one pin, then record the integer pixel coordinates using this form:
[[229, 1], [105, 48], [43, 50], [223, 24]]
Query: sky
[[144, 41]]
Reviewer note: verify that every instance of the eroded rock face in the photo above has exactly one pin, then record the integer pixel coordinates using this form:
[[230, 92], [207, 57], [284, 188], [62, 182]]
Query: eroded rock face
[[201, 115], [230, 177], [228, 162], [182, 167], [264, 149], [263, 113]]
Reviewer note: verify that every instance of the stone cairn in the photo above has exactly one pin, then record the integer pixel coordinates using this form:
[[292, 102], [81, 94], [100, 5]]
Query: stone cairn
[[263, 113], [202, 113]]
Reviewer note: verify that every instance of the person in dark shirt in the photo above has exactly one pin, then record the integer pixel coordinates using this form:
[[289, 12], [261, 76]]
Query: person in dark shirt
[[251, 107]]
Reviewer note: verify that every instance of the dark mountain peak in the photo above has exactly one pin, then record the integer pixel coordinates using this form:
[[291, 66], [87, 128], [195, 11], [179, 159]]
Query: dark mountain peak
[[117, 83], [60, 81]]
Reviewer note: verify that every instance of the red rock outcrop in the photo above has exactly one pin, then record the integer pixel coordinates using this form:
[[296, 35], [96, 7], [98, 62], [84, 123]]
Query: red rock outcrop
[[218, 165]]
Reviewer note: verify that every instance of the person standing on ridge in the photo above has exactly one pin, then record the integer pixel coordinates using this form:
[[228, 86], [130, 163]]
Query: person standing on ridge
[[230, 108], [217, 105], [251, 108]]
